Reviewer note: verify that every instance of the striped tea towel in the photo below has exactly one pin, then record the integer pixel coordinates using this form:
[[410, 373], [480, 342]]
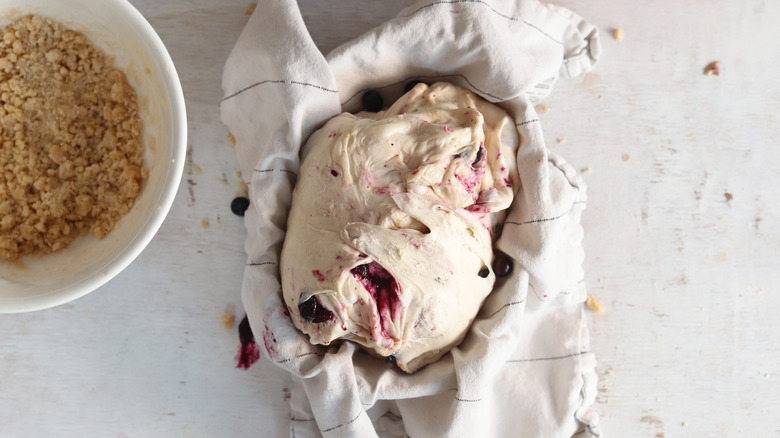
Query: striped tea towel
[[525, 368]]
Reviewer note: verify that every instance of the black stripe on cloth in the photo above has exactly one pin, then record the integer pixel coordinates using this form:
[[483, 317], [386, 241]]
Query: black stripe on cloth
[[526, 122], [513, 303], [276, 170], [548, 219], [480, 2], [278, 81], [540, 359], [298, 357], [260, 263], [466, 400], [343, 424]]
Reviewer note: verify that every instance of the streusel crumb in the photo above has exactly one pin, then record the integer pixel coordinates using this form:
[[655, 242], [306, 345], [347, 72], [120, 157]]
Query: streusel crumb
[[594, 304], [227, 320], [71, 149]]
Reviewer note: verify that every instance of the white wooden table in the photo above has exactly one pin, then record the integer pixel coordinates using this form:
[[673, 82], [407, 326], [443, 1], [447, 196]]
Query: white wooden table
[[682, 241]]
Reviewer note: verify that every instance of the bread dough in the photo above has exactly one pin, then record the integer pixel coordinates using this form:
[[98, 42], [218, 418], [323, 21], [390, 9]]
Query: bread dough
[[389, 241]]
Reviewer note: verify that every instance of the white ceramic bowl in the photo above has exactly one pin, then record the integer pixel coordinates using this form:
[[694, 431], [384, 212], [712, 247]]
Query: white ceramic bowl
[[121, 31]]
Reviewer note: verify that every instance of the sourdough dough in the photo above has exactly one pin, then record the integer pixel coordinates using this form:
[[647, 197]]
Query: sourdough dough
[[389, 239]]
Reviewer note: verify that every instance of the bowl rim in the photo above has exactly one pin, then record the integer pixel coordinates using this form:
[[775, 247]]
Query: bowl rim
[[173, 178]]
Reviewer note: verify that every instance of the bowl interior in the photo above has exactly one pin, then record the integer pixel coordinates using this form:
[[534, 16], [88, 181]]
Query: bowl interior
[[115, 26]]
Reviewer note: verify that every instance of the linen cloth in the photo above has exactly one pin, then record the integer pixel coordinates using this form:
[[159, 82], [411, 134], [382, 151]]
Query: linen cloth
[[525, 368]]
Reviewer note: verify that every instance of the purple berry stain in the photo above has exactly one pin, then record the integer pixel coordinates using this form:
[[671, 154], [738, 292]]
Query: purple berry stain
[[318, 275], [248, 353], [312, 311], [383, 288], [269, 340]]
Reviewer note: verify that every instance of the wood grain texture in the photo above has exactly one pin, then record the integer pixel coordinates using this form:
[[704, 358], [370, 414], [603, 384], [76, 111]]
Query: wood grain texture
[[681, 239], [681, 226]]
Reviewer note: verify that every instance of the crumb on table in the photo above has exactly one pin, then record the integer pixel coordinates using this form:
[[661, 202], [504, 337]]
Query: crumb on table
[[618, 34], [713, 68], [594, 304], [250, 9], [227, 320]]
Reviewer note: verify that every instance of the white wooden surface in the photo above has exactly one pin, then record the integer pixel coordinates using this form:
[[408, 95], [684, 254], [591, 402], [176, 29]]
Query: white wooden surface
[[682, 241]]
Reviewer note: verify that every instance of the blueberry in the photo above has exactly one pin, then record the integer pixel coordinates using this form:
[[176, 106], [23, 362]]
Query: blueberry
[[239, 205], [502, 265], [480, 155], [410, 85], [245, 332], [484, 272], [312, 311], [372, 101]]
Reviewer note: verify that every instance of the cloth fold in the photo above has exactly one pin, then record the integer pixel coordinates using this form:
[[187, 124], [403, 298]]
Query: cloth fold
[[525, 367]]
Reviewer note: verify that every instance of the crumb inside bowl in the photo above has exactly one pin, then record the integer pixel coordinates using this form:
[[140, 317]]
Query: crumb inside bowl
[[120, 31]]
